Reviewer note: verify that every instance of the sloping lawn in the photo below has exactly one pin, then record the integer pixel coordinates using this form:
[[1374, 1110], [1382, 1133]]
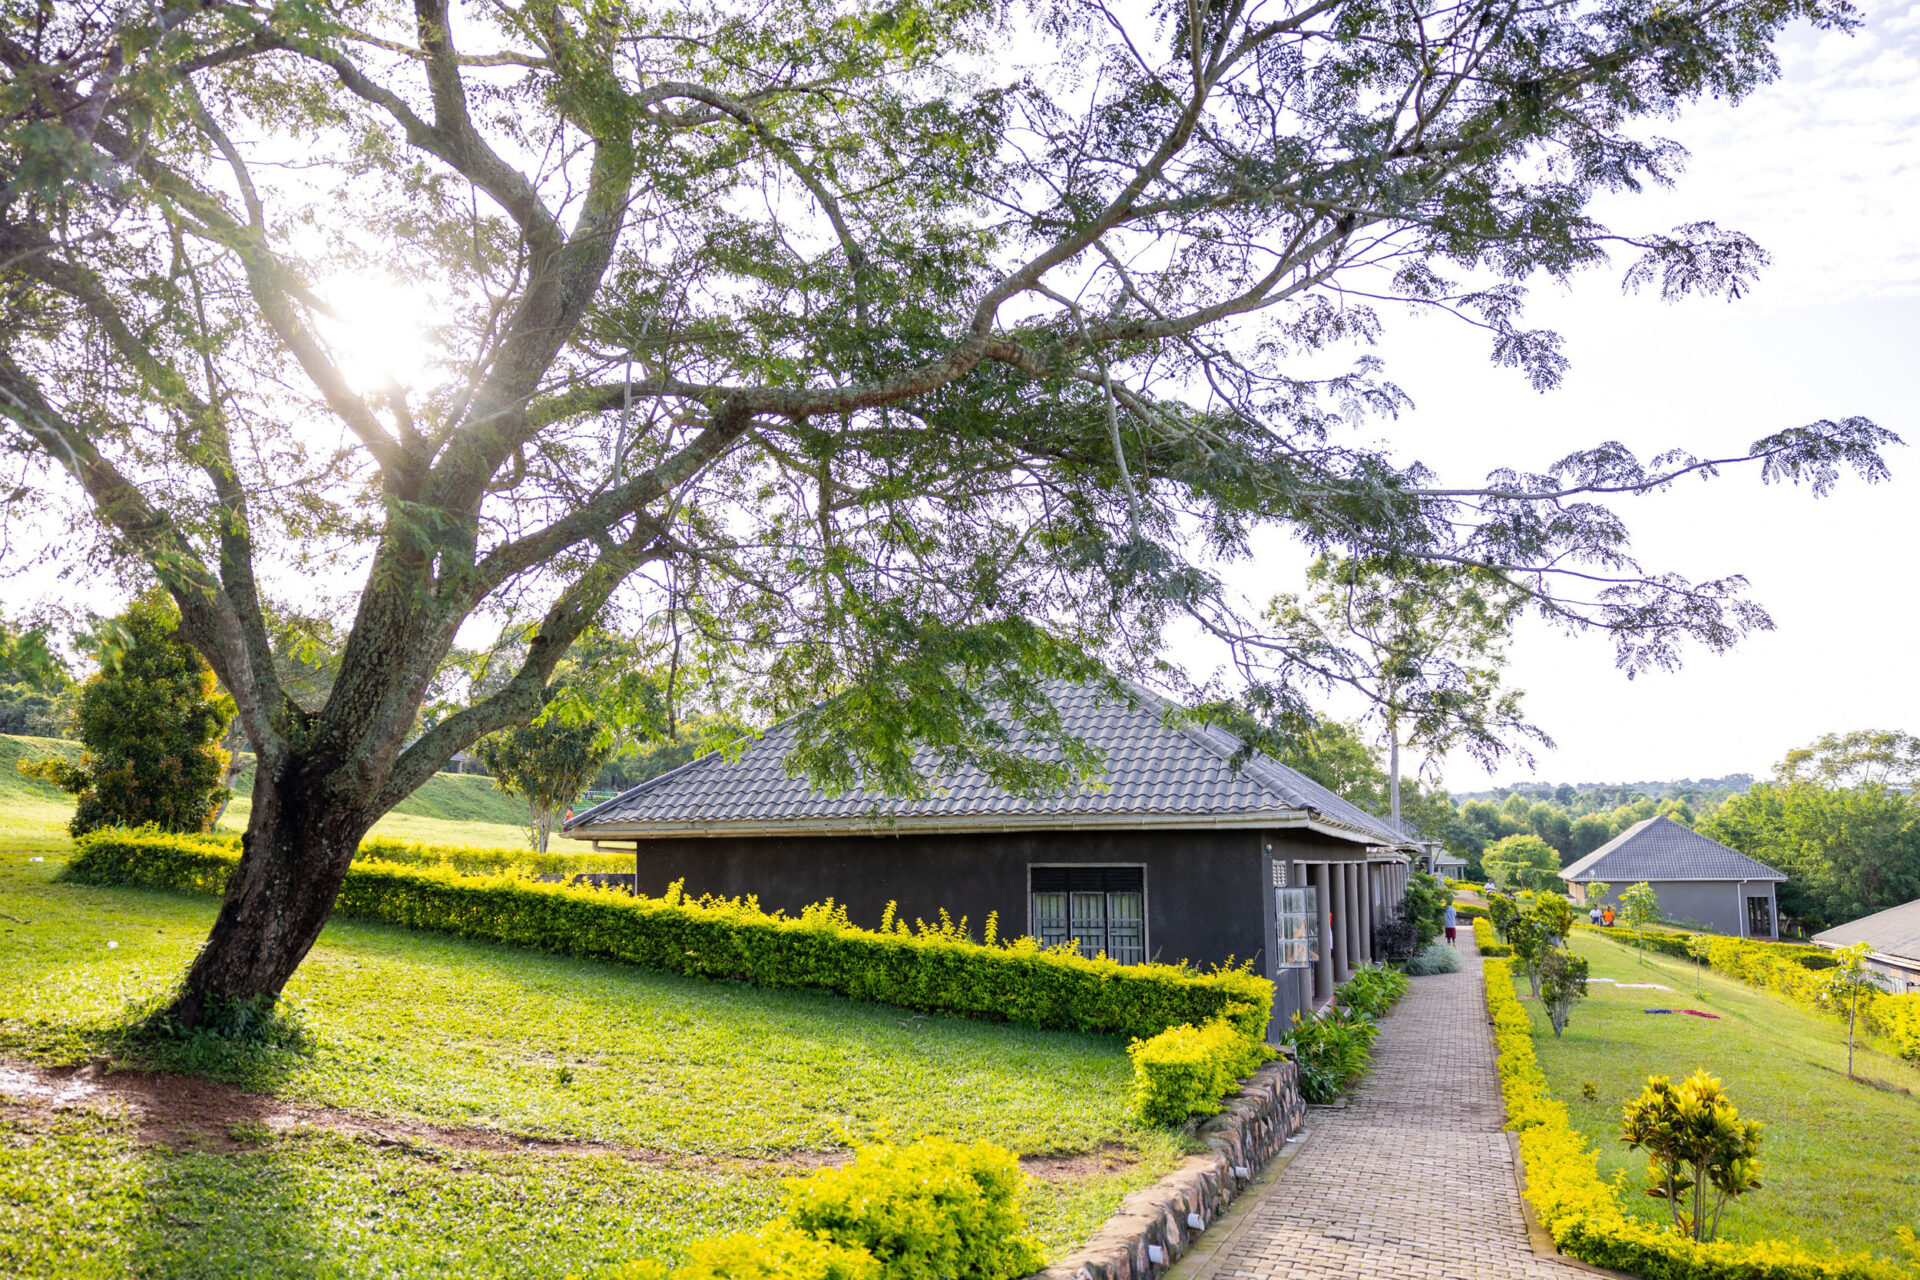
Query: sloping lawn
[[1841, 1160], [692, 1084], [449, 808]]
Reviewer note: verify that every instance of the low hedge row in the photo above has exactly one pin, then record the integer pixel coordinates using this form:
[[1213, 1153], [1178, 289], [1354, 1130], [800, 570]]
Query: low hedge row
[[935, 971], [1583, 1214], [475, 860], [1487, 939]]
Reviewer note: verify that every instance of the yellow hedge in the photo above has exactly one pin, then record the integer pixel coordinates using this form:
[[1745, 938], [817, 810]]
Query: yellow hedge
[[1583, 1214], [1487, 938]]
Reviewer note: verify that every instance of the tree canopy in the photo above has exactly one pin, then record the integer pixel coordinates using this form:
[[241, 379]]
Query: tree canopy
[[919, 352]]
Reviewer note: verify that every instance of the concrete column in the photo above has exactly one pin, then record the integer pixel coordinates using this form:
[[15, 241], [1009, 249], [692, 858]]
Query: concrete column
[[1343, 920], [1323, 898], [1366, 912]]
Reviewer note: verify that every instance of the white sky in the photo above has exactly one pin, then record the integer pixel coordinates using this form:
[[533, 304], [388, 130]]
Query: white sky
[[1823, 168]]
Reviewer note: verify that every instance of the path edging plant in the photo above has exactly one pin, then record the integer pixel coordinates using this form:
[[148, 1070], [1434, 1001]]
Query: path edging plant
[[1582, 1213]]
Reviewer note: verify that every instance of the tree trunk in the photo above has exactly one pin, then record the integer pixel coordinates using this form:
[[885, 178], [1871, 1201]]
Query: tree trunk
[[294, 859], [1393, 773]]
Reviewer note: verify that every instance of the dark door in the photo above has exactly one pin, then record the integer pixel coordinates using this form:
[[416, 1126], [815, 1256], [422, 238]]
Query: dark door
[[1760, 917]]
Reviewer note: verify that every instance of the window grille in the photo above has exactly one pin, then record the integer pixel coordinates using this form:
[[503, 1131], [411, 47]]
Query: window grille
[[1101, 910]]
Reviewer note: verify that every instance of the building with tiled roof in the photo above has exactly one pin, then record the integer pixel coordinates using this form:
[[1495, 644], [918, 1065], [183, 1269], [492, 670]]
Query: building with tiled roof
[[1893, 944], [1700, 882], [1189, 847]]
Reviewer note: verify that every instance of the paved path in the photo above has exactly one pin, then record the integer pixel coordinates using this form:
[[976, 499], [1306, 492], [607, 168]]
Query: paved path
[[1414, 1180]]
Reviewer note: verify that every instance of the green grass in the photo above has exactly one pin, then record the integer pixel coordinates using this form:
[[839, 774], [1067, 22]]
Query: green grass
[[450, 808], [1841, 1160], [455, 1033]]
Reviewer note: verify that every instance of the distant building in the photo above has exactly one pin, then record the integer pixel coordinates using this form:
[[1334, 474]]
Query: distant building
[[1186, 852], [1893, 940], [1699, 881]]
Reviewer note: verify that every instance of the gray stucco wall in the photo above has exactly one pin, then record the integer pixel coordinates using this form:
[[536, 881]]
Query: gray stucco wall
[[1718, 906]]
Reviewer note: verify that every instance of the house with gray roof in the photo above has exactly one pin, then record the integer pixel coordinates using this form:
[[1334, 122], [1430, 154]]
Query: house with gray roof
[[1189, 848], [1700, 881], [1893, 944]]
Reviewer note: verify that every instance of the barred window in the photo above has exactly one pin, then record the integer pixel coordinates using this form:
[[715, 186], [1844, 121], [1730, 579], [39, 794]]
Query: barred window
[[1098, 909]]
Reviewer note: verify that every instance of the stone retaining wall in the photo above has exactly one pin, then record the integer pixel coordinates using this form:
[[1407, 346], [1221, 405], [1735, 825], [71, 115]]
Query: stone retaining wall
[[1157, 1224]]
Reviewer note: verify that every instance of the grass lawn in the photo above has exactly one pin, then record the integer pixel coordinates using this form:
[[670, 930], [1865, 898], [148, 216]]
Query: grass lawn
[[1841, 1160], [701, 1079], [451, 808]]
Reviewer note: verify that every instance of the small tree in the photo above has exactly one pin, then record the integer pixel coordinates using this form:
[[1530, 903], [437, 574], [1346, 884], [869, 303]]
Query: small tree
[[1522, 862], [1597, 891], [1502, 911], [1528, 941], [1844, 983], [149, 720], [1641, 906], [547, 763], [1563, 981], [1699, 946], [1425, 907], [1700, 1153], [1555, 916]]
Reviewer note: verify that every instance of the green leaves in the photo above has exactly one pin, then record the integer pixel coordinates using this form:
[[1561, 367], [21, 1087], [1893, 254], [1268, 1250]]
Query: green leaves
[[1700, 1154]]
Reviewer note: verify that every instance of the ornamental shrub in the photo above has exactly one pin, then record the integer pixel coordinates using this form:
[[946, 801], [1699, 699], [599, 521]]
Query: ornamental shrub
[[775, 1252], [938, 971], [1372, 990], [934, 1210], [1187, 1071], [1483, 938], [150, 720], [1437, 958], [1700, 1153], [1334, 1051]]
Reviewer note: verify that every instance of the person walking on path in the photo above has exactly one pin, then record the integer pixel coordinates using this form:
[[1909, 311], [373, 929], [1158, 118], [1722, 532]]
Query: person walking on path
[[1453, 922]]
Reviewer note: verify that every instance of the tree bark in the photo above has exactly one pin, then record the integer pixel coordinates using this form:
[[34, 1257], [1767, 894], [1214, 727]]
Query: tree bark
[[294, 859]]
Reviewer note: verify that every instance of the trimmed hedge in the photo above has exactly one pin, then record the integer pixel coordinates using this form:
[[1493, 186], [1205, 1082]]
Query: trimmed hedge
[[477, 860], [1487, 939], [937, 970], [1188, 1071], [1583, 1214]]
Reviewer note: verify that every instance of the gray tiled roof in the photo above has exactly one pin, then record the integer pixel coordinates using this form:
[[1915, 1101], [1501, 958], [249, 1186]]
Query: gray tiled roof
[[1893, 932], [1662, 849], [1153, 772]]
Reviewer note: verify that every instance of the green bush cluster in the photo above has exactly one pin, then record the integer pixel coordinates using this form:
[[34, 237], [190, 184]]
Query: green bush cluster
[[1187, 1071], [1334, 1048], [931, 1210], [1434, 958], [1372, 990], [1583, 1214], [936, 971]]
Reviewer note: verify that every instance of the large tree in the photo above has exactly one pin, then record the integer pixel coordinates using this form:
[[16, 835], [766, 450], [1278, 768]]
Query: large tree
[[914, 341]]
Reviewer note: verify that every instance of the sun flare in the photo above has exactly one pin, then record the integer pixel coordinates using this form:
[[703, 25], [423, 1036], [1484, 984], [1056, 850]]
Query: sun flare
[[379, 331]]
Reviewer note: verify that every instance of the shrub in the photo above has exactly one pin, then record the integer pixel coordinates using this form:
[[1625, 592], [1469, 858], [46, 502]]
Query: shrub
[[775, 1252], [1437, 958], [1372, 990], [1333, 1049], [935, 1210], [936, 971], [1483, 938], [1424, 906], [1396, 940], [150, 720], [1894, 1020], [1582, 1213], [1186, 1071], [1700, 1153], [476, 860], [1563, 982]]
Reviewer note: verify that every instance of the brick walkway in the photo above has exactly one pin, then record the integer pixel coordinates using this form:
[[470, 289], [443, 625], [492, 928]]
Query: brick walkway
[[1414, 1180]]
